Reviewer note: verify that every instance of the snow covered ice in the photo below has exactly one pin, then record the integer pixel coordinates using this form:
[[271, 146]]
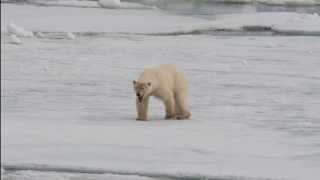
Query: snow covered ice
[[68, 107]]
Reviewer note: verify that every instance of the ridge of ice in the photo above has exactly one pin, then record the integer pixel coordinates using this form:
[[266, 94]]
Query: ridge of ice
[[113, 4], [19, 31]]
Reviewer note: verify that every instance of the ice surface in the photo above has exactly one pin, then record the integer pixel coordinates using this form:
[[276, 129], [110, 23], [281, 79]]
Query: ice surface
[[98, 20], [69, 105], [257, 120]]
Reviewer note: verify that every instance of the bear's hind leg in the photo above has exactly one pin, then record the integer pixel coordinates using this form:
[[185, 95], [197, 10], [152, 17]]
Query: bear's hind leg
[[181, 101], [177, 107]]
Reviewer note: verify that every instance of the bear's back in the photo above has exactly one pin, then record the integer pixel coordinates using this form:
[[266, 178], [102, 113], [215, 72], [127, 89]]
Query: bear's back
[[165, 76]]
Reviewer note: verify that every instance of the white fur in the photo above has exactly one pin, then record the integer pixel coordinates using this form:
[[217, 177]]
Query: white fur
[[170, 85]]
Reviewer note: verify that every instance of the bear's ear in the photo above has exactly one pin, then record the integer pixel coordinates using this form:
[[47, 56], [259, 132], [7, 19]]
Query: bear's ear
[[149, 83], [134, 82]]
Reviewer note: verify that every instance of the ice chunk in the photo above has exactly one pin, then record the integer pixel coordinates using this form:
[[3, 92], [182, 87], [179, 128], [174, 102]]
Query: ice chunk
[[14, 39], [71, 35], [244, 62], [19, 31], [40, 35], [45, 68], [271, 45], [110, 3]]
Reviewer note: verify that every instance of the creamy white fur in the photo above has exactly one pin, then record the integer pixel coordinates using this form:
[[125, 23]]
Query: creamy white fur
[[167, 83]]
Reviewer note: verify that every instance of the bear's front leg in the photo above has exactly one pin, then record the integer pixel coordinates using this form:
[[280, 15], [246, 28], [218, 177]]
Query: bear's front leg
[[142, 109]]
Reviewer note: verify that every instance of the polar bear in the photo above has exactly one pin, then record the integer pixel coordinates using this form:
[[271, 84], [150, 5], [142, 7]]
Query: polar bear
[[168, 84]]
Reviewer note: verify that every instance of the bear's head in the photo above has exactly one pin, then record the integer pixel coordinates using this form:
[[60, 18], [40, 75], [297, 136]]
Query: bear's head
[[142, 89]]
